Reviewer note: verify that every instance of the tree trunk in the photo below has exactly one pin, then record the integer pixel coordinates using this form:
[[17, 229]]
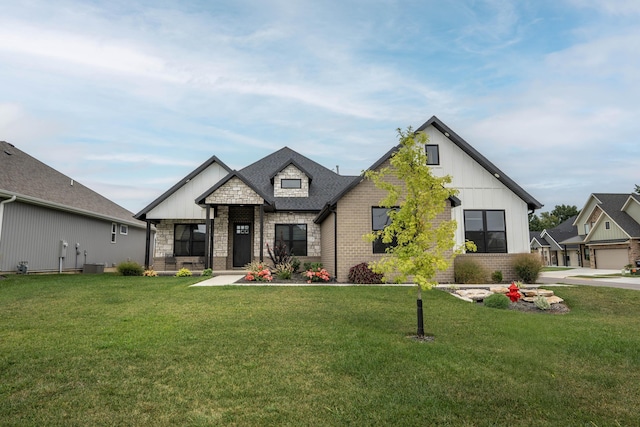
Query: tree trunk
[[420, 332]]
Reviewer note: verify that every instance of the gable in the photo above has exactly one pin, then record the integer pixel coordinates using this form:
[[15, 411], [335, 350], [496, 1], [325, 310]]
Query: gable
[[600, 232], [588, 214], [291, 174], [179, 204], [234, 192], [632, 208]]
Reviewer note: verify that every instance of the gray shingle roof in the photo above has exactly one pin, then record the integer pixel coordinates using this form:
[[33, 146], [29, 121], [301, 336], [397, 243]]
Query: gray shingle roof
[[563, 231], [611, 204], [325, 186], [34, 182]]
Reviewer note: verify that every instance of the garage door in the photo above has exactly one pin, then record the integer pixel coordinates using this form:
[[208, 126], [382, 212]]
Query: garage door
[[613, 259]]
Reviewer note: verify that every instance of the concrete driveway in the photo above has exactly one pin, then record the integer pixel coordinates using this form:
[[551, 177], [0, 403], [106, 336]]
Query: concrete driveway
[[590, 277]]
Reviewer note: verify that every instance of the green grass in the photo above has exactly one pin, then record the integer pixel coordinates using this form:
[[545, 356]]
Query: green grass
[[556, 268], [109, 350]]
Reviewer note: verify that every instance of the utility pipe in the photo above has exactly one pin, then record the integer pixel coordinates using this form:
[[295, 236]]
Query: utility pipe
[[2, 203]]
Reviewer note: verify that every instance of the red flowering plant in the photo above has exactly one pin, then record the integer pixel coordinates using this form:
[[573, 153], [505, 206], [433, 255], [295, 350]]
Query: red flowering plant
[[258, 272], [513, 293], [316, 273]]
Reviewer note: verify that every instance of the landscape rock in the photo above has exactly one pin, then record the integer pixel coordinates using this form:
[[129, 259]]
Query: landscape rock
[[499, 289], [474, 294], [536, 292]]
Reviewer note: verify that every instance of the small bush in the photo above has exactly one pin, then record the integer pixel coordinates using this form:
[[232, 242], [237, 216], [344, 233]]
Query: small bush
[[130, 268], [496, 276], [312, 266], [497, 301], [541, 302], [283, 271], [207, 272], [184, 272], [317, 274], [527, 267], [258, 272], [361, 274], [295, 263], [467, 271]]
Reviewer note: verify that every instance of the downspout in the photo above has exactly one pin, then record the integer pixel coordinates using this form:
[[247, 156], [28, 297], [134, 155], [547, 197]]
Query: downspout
[[147, 245], [335, 241], [2, 203]]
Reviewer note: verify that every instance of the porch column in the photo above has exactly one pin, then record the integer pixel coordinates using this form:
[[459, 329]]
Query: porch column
[[207, 237], [147, 245]]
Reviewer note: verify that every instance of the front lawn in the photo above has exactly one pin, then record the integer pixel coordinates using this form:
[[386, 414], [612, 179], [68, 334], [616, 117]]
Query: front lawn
[[109, 350]]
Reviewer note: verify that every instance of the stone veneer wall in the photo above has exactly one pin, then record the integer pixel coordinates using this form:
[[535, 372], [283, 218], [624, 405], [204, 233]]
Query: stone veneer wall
[[291, 172], [234, 192], [313, 232]]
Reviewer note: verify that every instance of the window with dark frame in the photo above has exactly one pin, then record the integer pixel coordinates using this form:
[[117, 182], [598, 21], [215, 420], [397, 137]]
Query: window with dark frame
[[433, 154], [487, 229], [379, 220], [189, 239], [294, 236], [124, 229], [290, 183], [114, 230], [607, 225]]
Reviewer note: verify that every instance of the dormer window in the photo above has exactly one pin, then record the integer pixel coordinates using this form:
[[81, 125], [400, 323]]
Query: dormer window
[[290, 183]]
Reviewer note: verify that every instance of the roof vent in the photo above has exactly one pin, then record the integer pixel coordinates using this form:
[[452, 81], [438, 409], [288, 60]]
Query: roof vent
[[7, 152]]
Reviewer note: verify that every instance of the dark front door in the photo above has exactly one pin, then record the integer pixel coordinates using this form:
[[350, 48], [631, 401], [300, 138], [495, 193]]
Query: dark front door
[[241, 244]]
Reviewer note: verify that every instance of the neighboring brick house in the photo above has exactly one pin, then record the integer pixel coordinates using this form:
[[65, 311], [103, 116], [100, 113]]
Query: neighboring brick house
[[608, 228], [547, 244], [220, 218]]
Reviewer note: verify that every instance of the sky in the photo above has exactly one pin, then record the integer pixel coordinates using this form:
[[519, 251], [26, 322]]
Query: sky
[[128, 97]]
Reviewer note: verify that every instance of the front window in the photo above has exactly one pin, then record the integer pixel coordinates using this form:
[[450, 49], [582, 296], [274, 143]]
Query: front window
[[294, 236], [487, 230], [379, 220], [433, 154], [114, 227], [189, 239]]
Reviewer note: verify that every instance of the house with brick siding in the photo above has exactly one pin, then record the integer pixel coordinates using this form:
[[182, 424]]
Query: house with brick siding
[[222, 219], [608, 229]]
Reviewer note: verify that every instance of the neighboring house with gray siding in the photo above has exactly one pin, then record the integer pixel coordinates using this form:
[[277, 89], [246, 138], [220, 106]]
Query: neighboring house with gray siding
[[41, 209], [222, 218], [608, 228]]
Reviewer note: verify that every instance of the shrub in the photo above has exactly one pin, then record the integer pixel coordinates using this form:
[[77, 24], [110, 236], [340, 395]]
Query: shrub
[[207, 272], [184, 272], [361, 274], [541, 302], [496, 276], [280, 253], [130, 268], [527, 267], [258, 272], [295, 263], [150, 273], [283, 271], [468, 271], [497, 301], [317, 274], [312, 265]]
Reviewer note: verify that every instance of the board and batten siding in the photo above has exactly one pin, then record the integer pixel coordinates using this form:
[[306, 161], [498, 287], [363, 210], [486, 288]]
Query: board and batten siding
[[479, 189], [181, 204], [33, 233]]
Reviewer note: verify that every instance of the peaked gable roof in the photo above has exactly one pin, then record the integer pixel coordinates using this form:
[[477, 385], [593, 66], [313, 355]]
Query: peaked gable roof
[[531, 202], [286, 165], [32, 181], [611, 205], [562, 232], [326, 183], [201, 199], [213, 159]]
